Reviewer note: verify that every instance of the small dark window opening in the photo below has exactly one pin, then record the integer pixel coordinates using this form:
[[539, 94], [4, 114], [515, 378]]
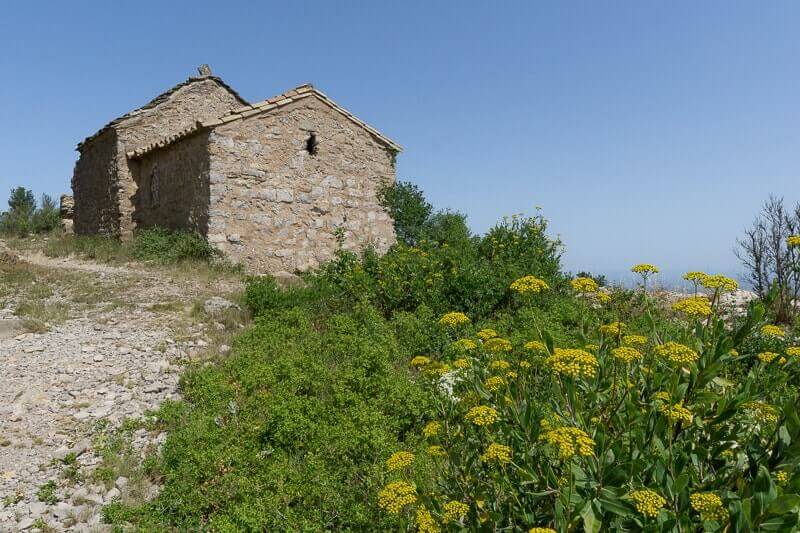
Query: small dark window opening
[[311, 144]]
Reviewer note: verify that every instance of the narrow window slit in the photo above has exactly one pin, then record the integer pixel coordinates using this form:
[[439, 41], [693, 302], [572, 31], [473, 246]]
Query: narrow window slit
[[311, 144]]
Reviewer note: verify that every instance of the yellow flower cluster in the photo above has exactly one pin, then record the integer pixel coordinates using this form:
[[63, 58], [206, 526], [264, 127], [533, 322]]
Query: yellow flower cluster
[[487, 333], [431, 429], [768, 357], [676, 353], [453, 511], [695, 276], [425, 522], [613, 329], [399, 461], [602, 297], [793, 351], [461, 363], [677, 413], [663, 396], [499, 365], [762, 411], [396, 495], [524, 364], [591, 347], [584, 285], [634, 340], [570, 441], [496, 452], [529, 285], [648, 502], [436, 369], [709, 505], [535, 346], [793, 241], [573, 362], [497, 345], [482, 415], [541, 530], [694, 307], [420, 361], [626, 354], [782, 477], [464, 345], [494, 383], [436, 451], [645, 269], [453, 319], [772, 331], [718, 281]]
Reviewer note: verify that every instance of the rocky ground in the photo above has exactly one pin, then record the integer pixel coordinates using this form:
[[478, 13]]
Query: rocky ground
[[101, 347]]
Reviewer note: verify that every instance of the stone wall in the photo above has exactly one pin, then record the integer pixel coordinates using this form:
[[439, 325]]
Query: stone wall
[[94, 187], [276, 206], [172, 186]]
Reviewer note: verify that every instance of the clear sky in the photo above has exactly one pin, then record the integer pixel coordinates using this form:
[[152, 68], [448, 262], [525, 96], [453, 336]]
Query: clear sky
[[647, 131]]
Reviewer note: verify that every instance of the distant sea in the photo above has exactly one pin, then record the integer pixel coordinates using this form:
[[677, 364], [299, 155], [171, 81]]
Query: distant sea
[[666, 279]]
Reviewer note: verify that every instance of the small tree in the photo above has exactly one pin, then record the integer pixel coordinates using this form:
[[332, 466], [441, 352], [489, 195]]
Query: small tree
[[769, 260], [406, 204], [23, 217]]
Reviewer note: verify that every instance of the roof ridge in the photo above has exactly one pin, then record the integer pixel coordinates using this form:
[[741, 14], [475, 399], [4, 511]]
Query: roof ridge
[[292, 95], [161, 98]]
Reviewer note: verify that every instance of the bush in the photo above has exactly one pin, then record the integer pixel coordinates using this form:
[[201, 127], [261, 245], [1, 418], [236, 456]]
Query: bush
[[612, 432], [165, 247], [406, 205]]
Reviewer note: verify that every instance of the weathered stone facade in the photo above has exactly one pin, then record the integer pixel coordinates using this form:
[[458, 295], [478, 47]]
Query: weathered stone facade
[[270, 184], [103, 185]]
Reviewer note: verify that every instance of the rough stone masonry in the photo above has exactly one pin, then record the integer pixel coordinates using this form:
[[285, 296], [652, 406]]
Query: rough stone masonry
[[271, 184]]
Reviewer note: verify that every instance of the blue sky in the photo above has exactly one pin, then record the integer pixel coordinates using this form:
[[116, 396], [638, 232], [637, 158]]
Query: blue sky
[[647, 131]]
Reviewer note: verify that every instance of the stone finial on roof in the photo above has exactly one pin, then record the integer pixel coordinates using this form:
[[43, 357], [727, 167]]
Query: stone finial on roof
[[204, 70]]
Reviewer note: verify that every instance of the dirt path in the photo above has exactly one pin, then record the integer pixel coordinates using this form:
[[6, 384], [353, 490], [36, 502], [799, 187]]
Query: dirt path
[[107, 344]]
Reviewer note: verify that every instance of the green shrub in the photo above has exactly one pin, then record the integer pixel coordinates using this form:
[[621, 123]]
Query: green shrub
[[406, 205], [24, 217], [163, 246]]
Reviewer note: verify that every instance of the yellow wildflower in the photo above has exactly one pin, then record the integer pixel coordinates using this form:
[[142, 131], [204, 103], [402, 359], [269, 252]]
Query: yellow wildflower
[[431, 429], [762, 411], [591, 347], [768, 357], [718, 281], [482, 415], [626, 354], [454, 319], [396, 495], [454, 511], [584, 285], [425, 522], [511, 375], [399, 461], [541, 530], [464, 345], [497, 345], [499, 365], [793, 351], [662, 396], [487, 333], [694, 307], [602, 297], [677, 413], [676, 353], [535, 346], [709, 505], [570, 441], [613, 329], [772, 331], [645, 269], [461, 363], [573, 363], [782, 477], [436, 451], [695, 277], [529, 285], [494, 383], [648, 502], [496, 452], [634, 340], [420, 360], [524, 364], [793, 241], [436, 369]]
